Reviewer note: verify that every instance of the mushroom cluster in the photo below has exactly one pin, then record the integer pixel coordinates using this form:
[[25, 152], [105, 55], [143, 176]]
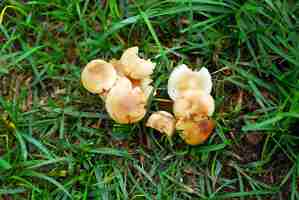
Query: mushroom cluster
[[193, 106], [123, 84]]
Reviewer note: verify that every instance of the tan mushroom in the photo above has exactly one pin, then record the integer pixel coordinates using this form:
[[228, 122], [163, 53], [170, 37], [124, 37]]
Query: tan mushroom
[[183, 79], [195, 133], [146, 87], [163, 122], [194, 105], [124, 103], [131, 65], [98, 76], [143, 83], [118, 67]]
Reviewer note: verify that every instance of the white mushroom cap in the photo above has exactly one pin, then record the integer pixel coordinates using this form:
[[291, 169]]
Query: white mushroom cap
[[98, 76], [194, 104], [182, 79], [124, 103], [133, 66], [195, 133], [162, 121]]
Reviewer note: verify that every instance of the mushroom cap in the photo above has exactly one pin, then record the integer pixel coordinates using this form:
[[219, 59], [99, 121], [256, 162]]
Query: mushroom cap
[[194, 105], [124, 103], [133, 66], [98, 76], [183, 78], [195, 133], [162, 121], [117, 66], [146, 87]]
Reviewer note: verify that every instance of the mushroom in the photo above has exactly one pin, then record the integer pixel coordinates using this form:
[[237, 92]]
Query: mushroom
[[124, 103], [182, 79], [98, 76], [195, 133], [131, 65], [146, 87], [194, 105], [162, 121], [144, 84]]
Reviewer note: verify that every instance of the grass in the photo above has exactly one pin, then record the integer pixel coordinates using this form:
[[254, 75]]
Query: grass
[[57, 142]]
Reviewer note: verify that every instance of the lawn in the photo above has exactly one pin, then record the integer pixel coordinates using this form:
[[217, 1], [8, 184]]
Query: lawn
[[58, 142]]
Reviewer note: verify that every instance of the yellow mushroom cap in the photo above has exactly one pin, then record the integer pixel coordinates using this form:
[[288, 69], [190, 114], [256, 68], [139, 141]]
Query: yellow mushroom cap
[[182, 79], [124, 103], [195, 133], [133, 66], [194, 105], [98, 76], [162, 121]]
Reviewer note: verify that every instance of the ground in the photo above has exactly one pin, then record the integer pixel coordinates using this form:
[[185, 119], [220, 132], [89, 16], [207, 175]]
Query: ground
[[57, 141]]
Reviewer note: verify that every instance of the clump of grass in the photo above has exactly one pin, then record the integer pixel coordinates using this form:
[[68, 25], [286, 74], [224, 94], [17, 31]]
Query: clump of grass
[[58, 143]]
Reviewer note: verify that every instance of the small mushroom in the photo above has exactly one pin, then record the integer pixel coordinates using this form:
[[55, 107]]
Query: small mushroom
[[131, 65], [194, 105], [162, 121], [182, 79], [195, 133], [125, 103], [98, 76]]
